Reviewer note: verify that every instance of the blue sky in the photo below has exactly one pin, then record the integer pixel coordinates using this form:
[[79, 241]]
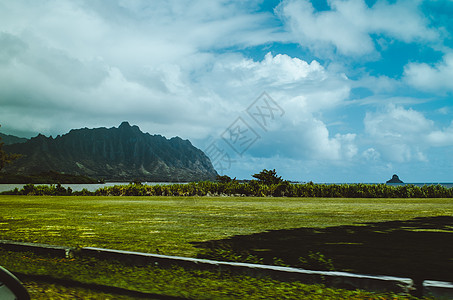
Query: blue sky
[[354, 90]]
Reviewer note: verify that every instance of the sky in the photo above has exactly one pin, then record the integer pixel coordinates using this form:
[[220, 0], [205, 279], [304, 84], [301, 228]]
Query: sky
[[322, 90]]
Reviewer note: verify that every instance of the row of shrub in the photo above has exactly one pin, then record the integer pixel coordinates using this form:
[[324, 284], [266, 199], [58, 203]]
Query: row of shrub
[[283, 189], [42, 190], [252, 188]]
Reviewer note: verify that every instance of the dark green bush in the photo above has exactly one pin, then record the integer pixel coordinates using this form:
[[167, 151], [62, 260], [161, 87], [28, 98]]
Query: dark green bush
[[41, 190]]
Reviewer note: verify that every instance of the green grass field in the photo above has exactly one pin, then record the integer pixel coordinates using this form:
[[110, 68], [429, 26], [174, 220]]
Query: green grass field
[[377, 236], [172, 224]]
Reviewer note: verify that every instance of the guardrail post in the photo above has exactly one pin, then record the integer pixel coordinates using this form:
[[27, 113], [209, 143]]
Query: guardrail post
[[418, 287]]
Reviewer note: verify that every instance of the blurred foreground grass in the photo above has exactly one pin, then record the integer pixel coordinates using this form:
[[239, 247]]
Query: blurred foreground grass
[[152, 280]]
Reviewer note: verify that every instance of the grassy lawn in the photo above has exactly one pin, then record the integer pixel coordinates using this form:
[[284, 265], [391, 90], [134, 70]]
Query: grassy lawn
[[173, 224], [378, 236]]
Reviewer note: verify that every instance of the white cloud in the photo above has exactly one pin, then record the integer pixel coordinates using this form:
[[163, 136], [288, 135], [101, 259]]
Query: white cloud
[[433, 78], [119, 60], [397, 123], [136, 34], [315, 142], [348, 27], [371, 154], [277, 72], [403, 135], [302, 89], [441, 137], [378, 85], [10, 47]]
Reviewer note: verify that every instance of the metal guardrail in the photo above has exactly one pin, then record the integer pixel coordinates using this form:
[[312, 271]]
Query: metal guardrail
[[334, 279]]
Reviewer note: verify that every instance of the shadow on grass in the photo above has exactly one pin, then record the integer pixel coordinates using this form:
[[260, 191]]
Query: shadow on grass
[[420, 248]]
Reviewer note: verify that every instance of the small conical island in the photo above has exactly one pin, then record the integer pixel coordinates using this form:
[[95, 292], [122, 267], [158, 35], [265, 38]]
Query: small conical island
[[394, 179]]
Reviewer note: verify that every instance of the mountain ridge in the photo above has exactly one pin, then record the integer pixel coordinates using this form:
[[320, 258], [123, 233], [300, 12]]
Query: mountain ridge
[[8, 139], [124, 153]]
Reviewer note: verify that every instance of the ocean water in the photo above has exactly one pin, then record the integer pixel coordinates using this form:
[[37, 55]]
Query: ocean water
[[444, 184]]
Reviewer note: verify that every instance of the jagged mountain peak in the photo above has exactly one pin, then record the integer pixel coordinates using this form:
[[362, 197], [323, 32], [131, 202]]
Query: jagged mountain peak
[[124, 153], [124, 124]]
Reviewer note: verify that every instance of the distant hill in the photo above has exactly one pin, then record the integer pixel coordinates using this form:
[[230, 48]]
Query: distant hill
[[395, 179], [113, 154], [11, 139]]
